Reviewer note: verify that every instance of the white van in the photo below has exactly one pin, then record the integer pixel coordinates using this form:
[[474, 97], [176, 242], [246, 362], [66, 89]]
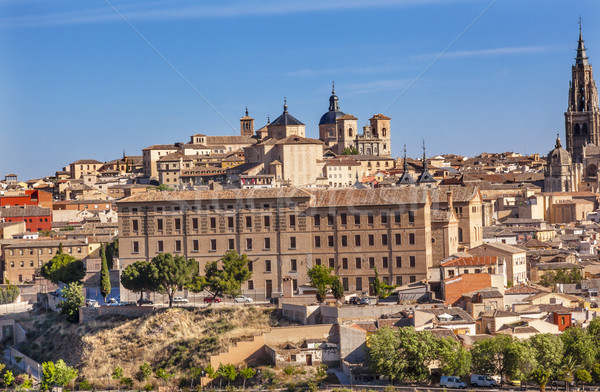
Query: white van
[[452, 382], [479, 380]]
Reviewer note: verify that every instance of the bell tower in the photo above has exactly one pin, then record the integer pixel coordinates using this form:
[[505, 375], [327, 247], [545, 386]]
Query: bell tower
[[247, 125], [582, 118]]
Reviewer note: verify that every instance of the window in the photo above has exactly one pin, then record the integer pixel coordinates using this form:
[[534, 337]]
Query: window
[[159, 224], [398, 280], [317, 261], [249, 222], [292, 220], [330, 241], [160, 246], [292, 242], [344, 263], [358, 263], [177, 245], [293, 265], [384, 239], [177, 224], [357, 240], [397, 217], [344, 240], [317, 241], [31, 263], [250, 285], [195, 223], [230, 222], [250, 266], [411, 238], [371, 240], [358, 283], [398, 262], [213, 245], [356, 219], [384, 262], [343, 219], [231, 244], [267, 221], [398, 239], [267, 243], [413, 261], [317, 220], [135, 225], [384, 218], [267, 265], [213, 223], [370, 219], [412, 279], [371, 262], [331, 262], [135, 246], [249, 243], [195, 246], [329, 219], [345, 284]]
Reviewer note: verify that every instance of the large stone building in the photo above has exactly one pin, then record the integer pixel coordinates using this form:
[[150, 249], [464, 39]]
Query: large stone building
[[560, 174], [582, 118], [288, 230]]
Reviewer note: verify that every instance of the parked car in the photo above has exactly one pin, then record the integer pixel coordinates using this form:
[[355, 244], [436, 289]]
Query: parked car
[[91, 303], [208, 300], [243, 299], [560, 384], [354, 301], [479, 380], [180, 300], [452, 382], [274, 301], [145, 301], [365, 301], [112, 301]]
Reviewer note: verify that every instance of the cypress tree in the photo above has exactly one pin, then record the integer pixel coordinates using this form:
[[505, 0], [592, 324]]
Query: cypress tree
[[60, 250], [104, 275]]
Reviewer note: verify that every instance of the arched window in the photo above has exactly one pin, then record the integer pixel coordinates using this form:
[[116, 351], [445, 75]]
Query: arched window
[[384, 132], [350, 132], [584, 129], [460, 235], [577, 130]]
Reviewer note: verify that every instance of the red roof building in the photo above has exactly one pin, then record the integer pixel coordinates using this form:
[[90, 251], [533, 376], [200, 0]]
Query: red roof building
[[35, 218]]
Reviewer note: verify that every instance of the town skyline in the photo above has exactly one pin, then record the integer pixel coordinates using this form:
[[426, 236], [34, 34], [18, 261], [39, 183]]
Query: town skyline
[[84, 74]]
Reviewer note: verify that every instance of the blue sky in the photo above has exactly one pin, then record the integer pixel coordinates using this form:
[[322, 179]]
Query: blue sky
[[78, 81]]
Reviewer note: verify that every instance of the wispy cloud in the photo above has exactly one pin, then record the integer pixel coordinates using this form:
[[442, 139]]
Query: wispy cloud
[[374, 86], [175, 10], [505, 51], [340, 70]]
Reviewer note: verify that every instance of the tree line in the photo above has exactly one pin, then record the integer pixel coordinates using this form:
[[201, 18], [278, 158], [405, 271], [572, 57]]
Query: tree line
[[404, 354]]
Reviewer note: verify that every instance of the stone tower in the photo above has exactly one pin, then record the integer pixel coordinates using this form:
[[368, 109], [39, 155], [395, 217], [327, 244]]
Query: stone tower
[[347, 130], [582, 118], [559, 175], [247, 125], [327, 125]]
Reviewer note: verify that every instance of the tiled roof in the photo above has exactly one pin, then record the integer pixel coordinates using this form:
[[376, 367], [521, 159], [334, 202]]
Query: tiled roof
[[295, 139], [22, 211], [380, 116], [86, 162], [497, 246], [375, 196], [45, 243], [526, 289], [535, 243], [471, 261], [161, 147], [230, 194], [229, 139], [459, 193], [346, 117]]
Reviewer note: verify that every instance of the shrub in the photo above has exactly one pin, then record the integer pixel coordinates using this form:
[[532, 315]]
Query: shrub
[[289, 370], [84, 385], [148, 387]]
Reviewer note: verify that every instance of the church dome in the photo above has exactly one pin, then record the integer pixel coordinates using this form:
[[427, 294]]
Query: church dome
[[334, 110], [559, 155]]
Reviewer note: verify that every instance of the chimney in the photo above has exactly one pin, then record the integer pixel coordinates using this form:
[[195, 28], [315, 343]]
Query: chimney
[[450, 201]]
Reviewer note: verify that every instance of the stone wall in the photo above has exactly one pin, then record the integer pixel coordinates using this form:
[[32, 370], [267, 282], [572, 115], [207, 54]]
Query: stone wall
[[87, 314]]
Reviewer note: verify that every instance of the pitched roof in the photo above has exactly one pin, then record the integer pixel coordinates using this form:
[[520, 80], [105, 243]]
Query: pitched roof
[[526, 289], [22, 211], [498, 246], [229, 139], [87, 162], [471, 261]]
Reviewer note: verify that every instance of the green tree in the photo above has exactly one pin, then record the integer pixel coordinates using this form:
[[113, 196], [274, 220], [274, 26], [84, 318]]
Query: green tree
[[541, 376], [350, 151], [9, 294], [60, 248], [453, 357], [583, 376], [74, 299], [163, 375], [9, 378], [140, 277], [337, 288], [401, 354], [490, 355], [173, 273], [246, 373], [549, 350], [104, 275], [226, 372], [595, 372], [56, 374], [380, 288], [117, 374], [63, 268], [580, 346], [568, 369], [593, 330], [145, 372], [112, 251], [320, 278], [227, 280], [520, 359]]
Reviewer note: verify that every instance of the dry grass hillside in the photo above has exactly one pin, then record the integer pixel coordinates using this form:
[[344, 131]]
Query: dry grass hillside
[[174, 339]]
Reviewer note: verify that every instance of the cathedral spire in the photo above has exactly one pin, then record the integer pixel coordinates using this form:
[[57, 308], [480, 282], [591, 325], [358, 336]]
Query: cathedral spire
[[334, 104], [406, 178], [425, 176], [581, 58]]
